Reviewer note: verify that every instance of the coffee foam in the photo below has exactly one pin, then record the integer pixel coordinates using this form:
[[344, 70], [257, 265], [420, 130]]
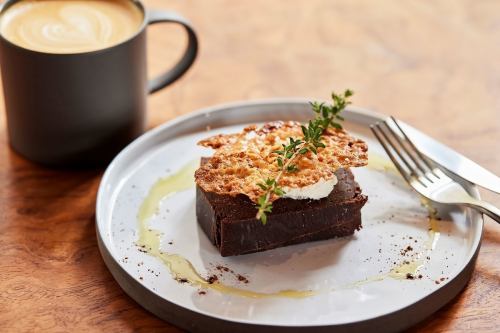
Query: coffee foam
[[69, 26]]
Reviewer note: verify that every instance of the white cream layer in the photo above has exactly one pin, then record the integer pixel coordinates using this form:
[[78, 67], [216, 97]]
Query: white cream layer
[[315, 191]]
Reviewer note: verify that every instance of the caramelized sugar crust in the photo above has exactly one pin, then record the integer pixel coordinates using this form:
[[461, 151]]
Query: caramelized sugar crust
[[241, 160]]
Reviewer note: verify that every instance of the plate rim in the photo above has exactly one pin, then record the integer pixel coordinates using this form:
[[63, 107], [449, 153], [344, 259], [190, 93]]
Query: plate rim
[[134, 288]]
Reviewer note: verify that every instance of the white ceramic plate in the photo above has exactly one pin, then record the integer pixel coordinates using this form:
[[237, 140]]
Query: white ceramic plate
[[353, 278]]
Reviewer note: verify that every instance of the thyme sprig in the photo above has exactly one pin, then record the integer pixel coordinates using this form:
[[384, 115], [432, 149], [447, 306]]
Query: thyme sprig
[[327, 115]]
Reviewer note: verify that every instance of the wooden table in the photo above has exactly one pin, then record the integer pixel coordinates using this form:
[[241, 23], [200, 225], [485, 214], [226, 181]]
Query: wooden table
[[433, 64]]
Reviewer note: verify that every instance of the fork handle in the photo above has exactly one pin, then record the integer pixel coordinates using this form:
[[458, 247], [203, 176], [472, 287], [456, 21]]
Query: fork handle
[[486, 208]]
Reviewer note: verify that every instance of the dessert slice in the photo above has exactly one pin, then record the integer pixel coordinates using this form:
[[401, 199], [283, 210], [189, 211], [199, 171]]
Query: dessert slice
[[316, 198]]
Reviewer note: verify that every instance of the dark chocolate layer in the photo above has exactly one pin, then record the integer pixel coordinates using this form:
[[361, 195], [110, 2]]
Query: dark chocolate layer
[[230, 223]]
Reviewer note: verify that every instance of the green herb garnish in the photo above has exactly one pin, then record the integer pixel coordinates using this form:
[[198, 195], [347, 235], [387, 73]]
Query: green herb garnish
[[327, 116]]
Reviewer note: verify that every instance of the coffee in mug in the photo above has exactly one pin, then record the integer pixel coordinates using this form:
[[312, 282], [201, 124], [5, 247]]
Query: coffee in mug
[[70, 26], [75, 78]]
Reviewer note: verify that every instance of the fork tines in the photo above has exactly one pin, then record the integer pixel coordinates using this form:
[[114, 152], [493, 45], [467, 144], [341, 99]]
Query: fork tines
[[412, 164]]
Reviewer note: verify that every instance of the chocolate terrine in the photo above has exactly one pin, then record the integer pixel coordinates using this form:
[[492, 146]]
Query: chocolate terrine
[[308, 197], [231, 225]]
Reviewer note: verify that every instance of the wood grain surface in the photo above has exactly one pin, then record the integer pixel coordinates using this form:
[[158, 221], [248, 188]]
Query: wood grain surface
[[433, 64]]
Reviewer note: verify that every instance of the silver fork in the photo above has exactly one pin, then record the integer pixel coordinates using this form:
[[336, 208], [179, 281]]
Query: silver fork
[[423, 175]]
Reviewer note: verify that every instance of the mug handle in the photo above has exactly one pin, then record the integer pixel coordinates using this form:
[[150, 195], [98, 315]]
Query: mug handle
[[164, 79]]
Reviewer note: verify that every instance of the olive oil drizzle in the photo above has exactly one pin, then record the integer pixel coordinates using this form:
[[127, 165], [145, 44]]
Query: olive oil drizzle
[[165, 187], [379, 163]]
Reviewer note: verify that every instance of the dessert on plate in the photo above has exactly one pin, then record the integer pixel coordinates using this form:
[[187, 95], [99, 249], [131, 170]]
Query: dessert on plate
[[281, 183]]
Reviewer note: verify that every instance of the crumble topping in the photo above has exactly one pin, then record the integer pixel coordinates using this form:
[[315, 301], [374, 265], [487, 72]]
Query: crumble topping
[[241, 160]]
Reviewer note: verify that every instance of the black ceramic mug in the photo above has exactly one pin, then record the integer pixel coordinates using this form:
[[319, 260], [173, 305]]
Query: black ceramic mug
[[80, 109]]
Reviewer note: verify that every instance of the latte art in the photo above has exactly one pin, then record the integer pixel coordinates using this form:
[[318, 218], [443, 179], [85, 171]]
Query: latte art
[[69, 26]]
